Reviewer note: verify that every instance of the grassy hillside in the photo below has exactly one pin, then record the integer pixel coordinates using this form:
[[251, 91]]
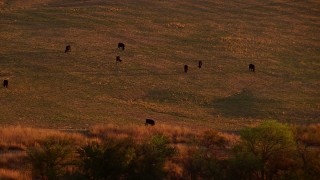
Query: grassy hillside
[[49, 88]]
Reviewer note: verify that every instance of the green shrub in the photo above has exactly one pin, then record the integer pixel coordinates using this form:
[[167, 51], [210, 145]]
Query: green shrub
[[264, 151]]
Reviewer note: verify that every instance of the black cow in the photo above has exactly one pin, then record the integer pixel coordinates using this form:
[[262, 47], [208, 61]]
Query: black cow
[[118, 59], [150, 121], [186, 67], [5, 83], [121, 46], [199, 64], [68, 49], [251, 67]]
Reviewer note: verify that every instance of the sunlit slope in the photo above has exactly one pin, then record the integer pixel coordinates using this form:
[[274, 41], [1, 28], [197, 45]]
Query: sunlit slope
[[50, 88]]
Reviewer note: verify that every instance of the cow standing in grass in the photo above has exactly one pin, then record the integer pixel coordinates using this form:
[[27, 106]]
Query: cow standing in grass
[[200, 64], [121, 46], [5, 83], [68, 49], [118, 59], [251, 67], [186, 68], [150, 121]]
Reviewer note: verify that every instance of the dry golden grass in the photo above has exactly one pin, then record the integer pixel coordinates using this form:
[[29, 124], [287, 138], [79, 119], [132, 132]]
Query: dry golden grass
[[12, 159], [18, 137], [186, 140], [14, 141], [8, 174], [176, 134]]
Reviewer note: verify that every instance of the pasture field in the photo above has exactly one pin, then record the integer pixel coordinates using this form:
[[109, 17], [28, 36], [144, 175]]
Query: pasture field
[[52, 89]]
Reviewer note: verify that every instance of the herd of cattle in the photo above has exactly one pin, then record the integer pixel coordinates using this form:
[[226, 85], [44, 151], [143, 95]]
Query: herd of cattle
[[186, 67], [118, 60]]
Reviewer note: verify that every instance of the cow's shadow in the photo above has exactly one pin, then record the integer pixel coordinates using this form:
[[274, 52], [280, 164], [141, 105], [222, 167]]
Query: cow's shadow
[[241, 105]]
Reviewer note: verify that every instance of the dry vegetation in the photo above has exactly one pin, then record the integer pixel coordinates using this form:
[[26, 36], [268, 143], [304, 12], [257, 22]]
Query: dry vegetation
[[16, 143], [17, 137]]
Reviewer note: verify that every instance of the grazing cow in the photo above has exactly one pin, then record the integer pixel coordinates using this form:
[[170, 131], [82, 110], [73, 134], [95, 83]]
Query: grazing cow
[[186, 67], [118, 59], [121, 46], [150, 121], [251, 67], [68, 49], [199, 64], [5, 83]]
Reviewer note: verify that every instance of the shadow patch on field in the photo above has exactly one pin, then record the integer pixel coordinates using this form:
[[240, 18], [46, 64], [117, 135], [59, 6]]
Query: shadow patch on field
[[243, 104], [170, 96]]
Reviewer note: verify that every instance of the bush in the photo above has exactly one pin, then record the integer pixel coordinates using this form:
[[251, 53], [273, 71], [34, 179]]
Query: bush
[[106, 161], [204, 162], [308, 134], [211, 139], [265, 150], [50, 158], [308, 164], [116, 159], [200, 166], [149, 158]]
